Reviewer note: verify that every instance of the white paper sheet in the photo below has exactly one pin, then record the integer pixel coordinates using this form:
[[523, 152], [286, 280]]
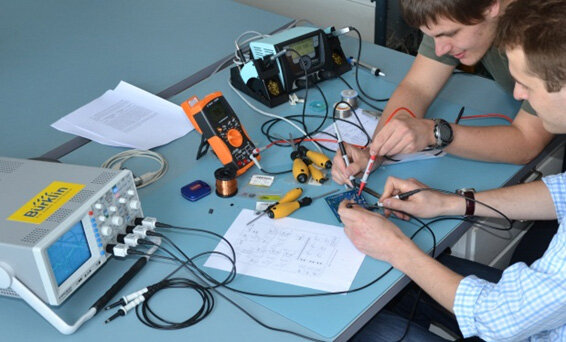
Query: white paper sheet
[[128, 117], [291, 251]]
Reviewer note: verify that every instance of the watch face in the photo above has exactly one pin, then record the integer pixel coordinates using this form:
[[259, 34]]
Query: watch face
[[443, 132]]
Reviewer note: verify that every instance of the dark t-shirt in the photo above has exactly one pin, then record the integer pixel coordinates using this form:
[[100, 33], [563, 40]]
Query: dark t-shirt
[[495, 62]]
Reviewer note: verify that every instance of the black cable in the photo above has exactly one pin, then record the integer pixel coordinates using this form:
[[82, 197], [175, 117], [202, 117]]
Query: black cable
[[150, 318], [268, 125], [424, 225], [361, 97], [358, 68]]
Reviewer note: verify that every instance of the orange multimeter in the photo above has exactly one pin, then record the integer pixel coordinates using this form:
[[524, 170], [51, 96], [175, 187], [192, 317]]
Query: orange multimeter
[[221, 129]]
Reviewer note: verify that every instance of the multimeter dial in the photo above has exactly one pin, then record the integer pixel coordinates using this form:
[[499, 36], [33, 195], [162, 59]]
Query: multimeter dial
[[234, 137]]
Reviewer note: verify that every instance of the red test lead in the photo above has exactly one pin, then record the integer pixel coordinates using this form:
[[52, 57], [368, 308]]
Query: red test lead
[[366, 173]]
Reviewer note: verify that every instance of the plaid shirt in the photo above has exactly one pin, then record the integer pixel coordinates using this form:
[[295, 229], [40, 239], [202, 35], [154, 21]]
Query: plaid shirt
[[528, 303]]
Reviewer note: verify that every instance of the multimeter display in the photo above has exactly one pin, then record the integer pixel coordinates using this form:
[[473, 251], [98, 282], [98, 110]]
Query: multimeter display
[[216, 111], [216, 121]]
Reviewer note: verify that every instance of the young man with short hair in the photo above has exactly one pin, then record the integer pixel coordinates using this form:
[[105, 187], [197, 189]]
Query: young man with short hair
[[455, 31], [526, 303]]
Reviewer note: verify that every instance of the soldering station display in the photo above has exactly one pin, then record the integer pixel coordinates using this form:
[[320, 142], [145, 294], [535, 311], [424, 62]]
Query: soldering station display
[[280, 63], [220, 128]]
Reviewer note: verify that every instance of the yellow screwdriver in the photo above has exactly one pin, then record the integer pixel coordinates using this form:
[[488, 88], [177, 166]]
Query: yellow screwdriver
[[320, 159], [290, 196], [285, 209]]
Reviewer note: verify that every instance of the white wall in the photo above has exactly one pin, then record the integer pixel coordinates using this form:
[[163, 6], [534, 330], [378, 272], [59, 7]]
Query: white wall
[[324, 13]]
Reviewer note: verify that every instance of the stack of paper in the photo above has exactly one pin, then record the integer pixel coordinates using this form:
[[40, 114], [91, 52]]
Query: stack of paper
[[128, 117]]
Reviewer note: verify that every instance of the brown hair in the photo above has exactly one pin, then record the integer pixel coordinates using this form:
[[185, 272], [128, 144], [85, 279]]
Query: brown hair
[[419, 13], [539, 28]]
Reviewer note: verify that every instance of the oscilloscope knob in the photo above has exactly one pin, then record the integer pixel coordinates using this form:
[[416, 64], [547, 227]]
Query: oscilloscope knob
[[134, 204], [106, 230], [117, 220]]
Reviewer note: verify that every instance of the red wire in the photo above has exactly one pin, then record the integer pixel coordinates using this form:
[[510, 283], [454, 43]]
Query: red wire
[[397, 111]]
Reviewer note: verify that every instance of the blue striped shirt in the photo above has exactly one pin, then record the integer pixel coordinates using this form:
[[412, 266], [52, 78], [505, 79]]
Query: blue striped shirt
[[528, 303]]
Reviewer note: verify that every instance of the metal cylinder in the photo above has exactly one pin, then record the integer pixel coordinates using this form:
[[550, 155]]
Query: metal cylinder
[[342, 110], [350, 96]]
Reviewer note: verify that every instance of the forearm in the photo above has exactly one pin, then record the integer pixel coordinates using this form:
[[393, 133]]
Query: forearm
[[505, 144], [517, 143], [531, 201], [435, 279]]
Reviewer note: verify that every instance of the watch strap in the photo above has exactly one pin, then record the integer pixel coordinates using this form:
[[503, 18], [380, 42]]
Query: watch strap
[[470, 203]]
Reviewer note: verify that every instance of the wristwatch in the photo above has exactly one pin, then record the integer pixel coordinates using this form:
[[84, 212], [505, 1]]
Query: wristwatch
[[468, 194], [442, 133]]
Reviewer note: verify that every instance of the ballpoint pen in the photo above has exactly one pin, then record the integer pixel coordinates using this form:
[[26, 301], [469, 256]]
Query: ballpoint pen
[[460, 115], [366, 173]]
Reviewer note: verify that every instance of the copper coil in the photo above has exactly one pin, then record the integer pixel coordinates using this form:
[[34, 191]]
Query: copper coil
[[226, 183]]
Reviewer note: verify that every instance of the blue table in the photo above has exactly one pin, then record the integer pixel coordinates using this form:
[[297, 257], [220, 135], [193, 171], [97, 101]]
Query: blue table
[[330, 317], [59, 55]]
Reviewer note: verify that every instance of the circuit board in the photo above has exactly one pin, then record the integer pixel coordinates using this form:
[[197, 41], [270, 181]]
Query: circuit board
[[334, 200]]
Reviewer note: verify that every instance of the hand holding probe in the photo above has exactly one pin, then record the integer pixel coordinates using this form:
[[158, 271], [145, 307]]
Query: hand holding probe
[[371, 161], [290, 196], [402, 196], [343, 151], [285, 209]]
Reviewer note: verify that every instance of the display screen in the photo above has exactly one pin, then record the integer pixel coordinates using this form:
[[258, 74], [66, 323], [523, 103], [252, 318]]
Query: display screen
[[304, 47], [309, 47], [216, 111], [68, 253]]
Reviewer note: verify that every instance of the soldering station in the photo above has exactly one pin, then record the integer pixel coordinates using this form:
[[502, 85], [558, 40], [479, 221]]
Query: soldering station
[[63, 222]]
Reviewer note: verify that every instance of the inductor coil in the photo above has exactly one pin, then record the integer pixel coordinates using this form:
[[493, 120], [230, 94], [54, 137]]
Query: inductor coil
[[226, 183]]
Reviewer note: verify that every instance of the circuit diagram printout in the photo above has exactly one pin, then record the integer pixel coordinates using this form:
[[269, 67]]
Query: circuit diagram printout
[[292, 251]]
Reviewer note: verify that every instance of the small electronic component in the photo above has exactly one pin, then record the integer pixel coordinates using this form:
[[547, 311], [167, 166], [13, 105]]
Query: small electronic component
[[335, 200], [195, 190]]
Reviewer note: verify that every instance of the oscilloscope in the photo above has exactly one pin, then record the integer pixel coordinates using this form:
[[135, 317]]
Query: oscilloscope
[[56, 220]]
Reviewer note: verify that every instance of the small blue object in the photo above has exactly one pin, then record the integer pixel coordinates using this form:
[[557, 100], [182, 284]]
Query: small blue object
[[195, 190], [334, 200], [317, 106]]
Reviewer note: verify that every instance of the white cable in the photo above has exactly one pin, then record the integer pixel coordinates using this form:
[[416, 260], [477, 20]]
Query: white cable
[[117, 161], [272, 115]]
